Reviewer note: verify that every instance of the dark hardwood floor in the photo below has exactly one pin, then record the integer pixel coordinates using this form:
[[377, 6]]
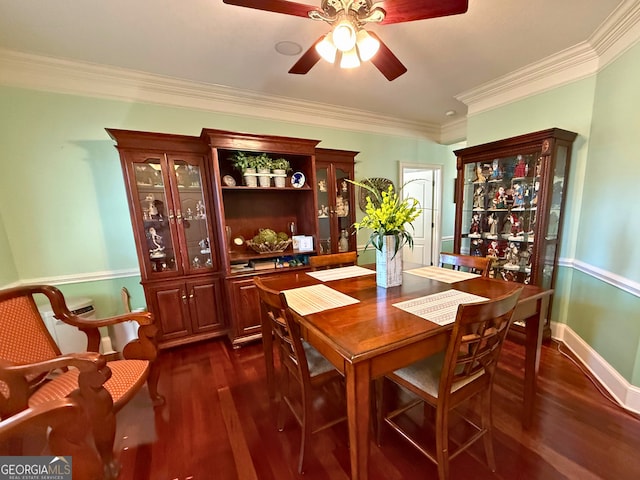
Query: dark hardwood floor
[[218, 423]]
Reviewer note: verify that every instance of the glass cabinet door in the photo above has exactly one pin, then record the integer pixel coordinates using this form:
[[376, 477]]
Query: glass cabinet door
[[190, 214], [334, 209], [324, 220], [499, 213], [155, 211], [342, 196]]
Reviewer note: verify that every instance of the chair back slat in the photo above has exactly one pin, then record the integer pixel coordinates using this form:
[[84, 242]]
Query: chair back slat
[[476, 340], [24, 338], [333, 260], [469, 263]]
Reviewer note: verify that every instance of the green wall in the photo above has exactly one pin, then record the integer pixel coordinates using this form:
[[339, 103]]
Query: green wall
[[8, 272], [63, 212], [606, 317], [599, 230]]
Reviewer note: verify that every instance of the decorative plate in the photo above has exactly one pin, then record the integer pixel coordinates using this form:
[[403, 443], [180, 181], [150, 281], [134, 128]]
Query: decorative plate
[[229, 181], [378, 184], [297, 180]]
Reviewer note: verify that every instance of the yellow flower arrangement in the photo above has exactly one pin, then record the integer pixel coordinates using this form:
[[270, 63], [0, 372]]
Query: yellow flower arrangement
[[388, 214]]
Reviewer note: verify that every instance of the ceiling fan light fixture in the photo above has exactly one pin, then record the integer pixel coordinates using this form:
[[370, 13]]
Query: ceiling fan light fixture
[[367, 45], [344, 35], [350, 59], [326, 49]]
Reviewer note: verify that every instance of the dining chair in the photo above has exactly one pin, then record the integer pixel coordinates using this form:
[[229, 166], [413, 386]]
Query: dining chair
[[125, 296], [333, 260], [445, 380], [33, 371], [300, 362], [470, 263], [59, 428]]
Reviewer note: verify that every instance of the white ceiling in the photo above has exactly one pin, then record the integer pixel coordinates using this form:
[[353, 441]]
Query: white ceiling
[[210, 42]]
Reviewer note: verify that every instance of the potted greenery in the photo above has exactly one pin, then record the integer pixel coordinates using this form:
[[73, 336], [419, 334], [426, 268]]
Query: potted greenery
[[388, 216], [263, 166], [280, 167], [246, 164]]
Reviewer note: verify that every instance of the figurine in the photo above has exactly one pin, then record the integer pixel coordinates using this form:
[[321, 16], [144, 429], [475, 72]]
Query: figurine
[[343, 243], [477, 246], [200, 212], [515, 225], [500, 199], [478, 198], [492, 220], [534, 197], [512, 255], [508, 223], [474, 230], [518, 197], [342, 206], [157, 243], [496, 173], [480, 178], [492, 250], [521, 168]]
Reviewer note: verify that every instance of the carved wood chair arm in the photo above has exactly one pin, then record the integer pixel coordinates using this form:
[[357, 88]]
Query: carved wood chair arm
[[84, 361]]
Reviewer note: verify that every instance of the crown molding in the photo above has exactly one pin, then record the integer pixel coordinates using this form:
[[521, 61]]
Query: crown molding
[[454, 132], [619, 32], [25, 70]]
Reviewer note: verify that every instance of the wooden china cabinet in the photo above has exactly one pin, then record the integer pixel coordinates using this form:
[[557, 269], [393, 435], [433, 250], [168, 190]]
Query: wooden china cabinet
[[170, 206], [192, 217], [336, 200], [509, 206], [242, 211]]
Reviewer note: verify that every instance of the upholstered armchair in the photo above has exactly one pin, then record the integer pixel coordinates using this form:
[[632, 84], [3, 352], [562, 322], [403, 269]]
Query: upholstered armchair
[[33, 371]]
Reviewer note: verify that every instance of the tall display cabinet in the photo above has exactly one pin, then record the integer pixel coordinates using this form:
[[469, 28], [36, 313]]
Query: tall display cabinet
[[336, 200], [175, 232], [509, 205]]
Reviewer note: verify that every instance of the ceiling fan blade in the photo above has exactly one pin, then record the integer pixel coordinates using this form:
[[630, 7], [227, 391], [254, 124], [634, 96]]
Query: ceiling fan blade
[[277, 6], [307, 60], [399, 11], [386, 61]]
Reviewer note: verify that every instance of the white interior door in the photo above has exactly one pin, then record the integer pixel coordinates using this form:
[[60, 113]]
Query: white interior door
[[424, 185]]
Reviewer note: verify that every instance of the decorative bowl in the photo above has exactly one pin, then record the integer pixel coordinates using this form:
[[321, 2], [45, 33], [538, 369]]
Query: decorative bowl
[[268, 247]]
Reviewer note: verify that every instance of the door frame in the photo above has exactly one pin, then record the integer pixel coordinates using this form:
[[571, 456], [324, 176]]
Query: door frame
[[436, 237]]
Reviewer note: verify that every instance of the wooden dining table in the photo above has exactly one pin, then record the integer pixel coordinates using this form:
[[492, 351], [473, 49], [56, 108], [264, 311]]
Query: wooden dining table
[[370, 338]]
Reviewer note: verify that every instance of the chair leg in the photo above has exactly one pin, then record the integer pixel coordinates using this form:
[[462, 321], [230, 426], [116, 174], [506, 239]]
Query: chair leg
[[442, 443], [487, 425], [306, 428], [380, 407], [284, 392], [152, 384]]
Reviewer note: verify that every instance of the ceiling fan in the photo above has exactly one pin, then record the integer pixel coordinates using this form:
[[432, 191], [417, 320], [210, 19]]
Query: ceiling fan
[[349, 43]]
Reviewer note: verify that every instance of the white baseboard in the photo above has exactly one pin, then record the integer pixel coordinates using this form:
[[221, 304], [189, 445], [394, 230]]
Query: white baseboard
[[625, 394]]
